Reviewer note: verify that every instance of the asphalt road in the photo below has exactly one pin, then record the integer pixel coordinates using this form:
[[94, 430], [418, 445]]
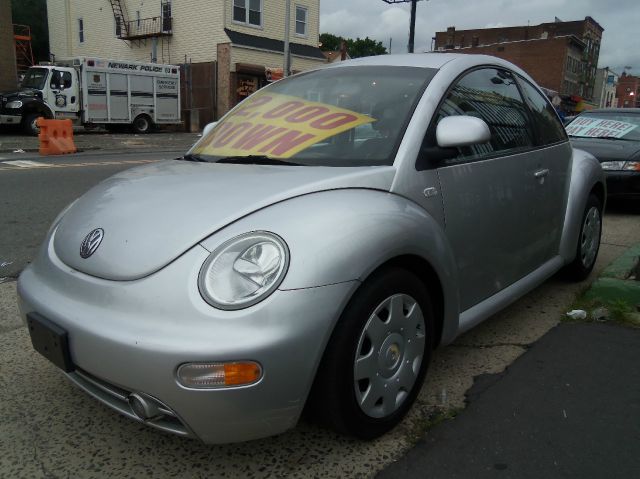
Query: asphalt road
[[35, 189], [50, 429], [570, 407]]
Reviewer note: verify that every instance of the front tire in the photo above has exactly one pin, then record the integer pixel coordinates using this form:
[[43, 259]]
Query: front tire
[[29, 124], [588, 241], [377, 357]]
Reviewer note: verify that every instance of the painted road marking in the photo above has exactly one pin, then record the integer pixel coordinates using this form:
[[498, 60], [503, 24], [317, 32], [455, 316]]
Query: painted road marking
[[24, 166]]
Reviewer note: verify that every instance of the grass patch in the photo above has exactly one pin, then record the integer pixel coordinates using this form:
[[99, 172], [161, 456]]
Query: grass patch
[[621, 310], [424, 424]]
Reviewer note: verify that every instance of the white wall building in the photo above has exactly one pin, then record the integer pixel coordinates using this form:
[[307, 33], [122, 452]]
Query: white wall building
[[604, 90], [230, 43]]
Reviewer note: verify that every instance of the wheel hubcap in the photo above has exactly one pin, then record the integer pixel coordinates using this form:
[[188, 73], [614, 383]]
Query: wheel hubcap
[[590, 240], [389, 355]]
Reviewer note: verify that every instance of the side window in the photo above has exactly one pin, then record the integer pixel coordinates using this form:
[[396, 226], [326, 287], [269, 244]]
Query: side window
[[492, 95], [56, 80], [66, 80], [546, 120]]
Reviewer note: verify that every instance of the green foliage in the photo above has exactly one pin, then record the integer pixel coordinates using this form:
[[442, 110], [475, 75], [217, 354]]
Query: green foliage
[[34, 14], [360, 47], [330, 42]]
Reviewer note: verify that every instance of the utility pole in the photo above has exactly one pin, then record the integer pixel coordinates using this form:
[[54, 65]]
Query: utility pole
[[286, 68], [412, 25]]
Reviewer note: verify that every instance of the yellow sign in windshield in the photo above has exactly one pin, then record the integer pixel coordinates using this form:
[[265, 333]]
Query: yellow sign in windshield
[[277, 126]]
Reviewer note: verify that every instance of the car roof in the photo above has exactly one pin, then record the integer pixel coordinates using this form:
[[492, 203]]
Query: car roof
[[424, 60]]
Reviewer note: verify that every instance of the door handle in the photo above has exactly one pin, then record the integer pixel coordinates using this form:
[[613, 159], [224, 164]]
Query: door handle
[[541, 173]]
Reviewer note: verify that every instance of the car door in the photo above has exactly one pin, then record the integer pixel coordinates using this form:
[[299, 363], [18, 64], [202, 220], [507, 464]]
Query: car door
[[488, 189], [552, 160], [64, 92]]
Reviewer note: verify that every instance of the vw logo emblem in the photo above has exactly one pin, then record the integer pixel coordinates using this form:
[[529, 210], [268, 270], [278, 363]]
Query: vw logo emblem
[[91, 242]]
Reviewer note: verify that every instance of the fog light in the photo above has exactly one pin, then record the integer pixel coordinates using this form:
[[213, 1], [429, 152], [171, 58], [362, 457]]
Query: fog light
[[142, 407], [219, 375]]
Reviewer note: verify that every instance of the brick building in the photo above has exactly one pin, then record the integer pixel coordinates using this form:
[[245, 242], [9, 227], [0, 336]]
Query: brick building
[[226, 46], [628, 91], [8, 74], [560, 56]]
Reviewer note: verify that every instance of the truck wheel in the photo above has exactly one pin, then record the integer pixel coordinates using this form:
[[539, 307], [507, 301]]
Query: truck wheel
[[377, 357], [142, 124], [29, 124]]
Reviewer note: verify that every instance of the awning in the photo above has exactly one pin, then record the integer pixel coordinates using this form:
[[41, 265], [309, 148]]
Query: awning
[[277, 46]]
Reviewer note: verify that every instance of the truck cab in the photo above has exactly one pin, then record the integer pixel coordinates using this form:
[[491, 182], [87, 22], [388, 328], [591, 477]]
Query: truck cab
[[47, 91]]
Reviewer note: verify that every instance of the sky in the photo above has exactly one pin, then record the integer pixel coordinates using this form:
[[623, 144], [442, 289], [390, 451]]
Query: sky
[[381, 21]]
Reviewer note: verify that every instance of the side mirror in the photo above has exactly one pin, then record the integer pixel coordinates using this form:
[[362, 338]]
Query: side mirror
[[209, 127], [461, 130]]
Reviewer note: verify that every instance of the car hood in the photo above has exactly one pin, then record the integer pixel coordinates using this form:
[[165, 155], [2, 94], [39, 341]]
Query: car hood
[[150, 215], [607, 150]]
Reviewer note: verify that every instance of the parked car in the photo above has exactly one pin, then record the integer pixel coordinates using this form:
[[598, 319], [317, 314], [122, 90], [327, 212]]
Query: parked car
[[612, 135], [292, 259]]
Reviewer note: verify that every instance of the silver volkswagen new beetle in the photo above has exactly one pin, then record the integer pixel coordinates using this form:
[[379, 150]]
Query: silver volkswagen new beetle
[[313, 247]]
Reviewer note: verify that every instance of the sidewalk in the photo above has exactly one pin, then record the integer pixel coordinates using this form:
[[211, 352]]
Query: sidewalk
[[100, 140], [568, 407]]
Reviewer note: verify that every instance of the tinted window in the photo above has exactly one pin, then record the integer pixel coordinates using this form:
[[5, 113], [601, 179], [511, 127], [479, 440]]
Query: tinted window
[[544, 115], [493, 96]]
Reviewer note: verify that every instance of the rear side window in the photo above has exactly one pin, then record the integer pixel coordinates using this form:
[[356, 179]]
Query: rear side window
[[549, 127], [492, 95]]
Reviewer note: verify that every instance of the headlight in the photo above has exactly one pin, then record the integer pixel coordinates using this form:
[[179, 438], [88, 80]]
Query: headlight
[[632, 165], [14, 104], [244, 270], [612, 165]]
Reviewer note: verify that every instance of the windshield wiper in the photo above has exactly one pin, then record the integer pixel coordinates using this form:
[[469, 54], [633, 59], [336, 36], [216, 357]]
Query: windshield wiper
[[256, 160], [192, 157], [601, 137]]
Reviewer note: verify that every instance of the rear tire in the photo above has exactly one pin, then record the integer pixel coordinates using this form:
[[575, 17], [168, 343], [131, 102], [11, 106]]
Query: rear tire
[[142, 124], [376, 360], [588, 241]]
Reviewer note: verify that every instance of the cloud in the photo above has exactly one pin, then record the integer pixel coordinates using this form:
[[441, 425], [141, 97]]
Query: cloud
[[378, 20]]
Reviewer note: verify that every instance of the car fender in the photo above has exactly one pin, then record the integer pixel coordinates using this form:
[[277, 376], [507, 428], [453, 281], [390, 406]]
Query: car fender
[[586, 174], [345, 235]]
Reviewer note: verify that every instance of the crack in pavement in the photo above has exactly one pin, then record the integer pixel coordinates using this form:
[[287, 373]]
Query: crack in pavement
[[524, 346]]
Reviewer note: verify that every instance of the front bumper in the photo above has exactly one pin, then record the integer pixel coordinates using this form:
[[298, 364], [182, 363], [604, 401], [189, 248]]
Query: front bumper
[[132, 336], [623, 184], [10, 119]]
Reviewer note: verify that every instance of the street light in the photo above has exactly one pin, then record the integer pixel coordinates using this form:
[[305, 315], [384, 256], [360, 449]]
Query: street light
[[412, 25]]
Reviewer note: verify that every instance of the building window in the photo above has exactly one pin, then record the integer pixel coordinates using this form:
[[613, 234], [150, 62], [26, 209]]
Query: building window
[[118, 26], [138, 19], [81, 30], [301, 20], [165, 11], [248, 12]]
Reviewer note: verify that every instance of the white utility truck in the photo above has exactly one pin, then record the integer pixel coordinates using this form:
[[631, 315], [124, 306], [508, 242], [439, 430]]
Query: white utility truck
[[96, 91]]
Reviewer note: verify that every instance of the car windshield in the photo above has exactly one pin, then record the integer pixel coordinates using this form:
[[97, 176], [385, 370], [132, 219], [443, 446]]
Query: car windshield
[[35, 78], [620, 125], [345, 116]]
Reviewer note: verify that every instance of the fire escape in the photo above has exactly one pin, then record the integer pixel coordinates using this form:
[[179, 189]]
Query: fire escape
[[138, 31], [24, 53]]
